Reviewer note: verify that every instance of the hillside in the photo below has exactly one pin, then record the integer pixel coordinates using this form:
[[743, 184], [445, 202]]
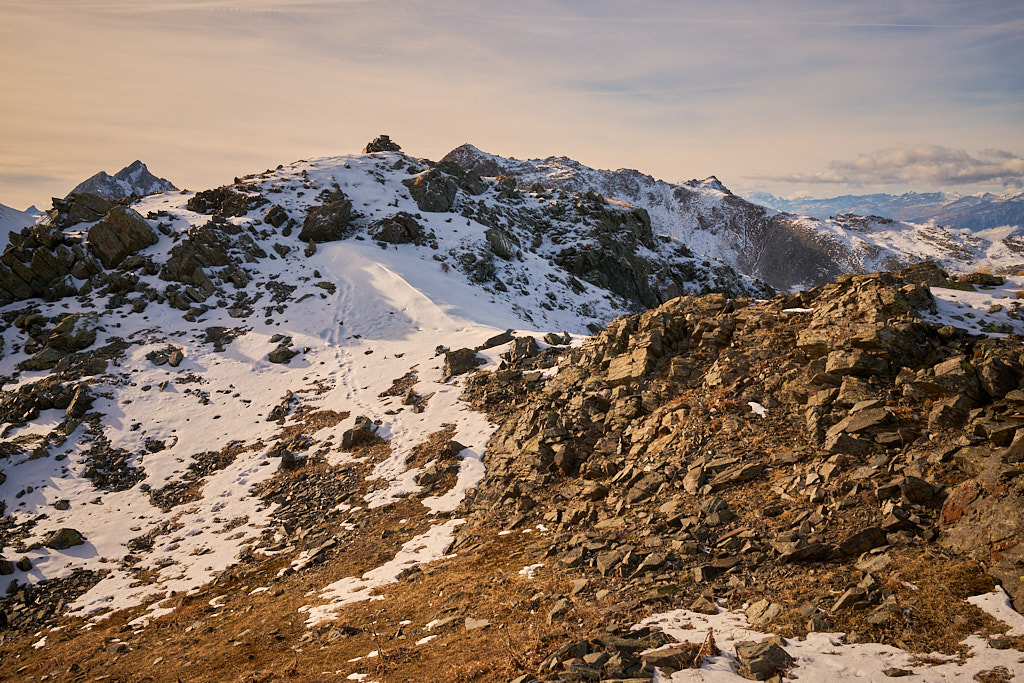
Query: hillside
[[974, 213], [14, 220], [373, 418], [785, 250]]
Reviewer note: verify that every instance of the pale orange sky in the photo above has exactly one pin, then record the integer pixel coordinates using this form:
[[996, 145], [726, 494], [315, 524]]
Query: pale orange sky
[[789, 97]]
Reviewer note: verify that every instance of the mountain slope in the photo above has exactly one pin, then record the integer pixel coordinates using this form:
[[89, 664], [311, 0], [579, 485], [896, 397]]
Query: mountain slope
[[241, 428], [785, 251], [977, 212], [133, 180], [12, 220]]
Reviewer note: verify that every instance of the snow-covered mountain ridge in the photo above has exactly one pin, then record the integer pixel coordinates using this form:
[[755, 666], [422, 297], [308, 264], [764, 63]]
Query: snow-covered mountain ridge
[[953, 211], [240, 424], [782, 249]]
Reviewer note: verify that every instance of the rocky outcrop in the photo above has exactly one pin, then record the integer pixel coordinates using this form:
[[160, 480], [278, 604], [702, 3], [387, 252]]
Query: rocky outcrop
[[401, 228], [228, 201], [329, 222], [435, 190], [717, 443], [122, 232], [382, 143]]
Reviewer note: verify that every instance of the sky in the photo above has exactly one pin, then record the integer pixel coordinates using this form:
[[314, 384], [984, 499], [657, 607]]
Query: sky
[[793, 97]]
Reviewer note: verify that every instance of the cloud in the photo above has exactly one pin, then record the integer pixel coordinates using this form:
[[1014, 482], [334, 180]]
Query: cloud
[[931, 165]]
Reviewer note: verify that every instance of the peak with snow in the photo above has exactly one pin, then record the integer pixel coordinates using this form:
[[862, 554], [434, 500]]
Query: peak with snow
[[133, 180], [785, 250]]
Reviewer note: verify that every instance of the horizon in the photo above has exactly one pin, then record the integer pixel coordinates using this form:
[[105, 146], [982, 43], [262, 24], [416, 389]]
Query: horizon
[[796, 99]]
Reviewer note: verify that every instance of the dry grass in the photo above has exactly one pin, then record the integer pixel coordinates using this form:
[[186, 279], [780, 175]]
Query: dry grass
[[262, 637]]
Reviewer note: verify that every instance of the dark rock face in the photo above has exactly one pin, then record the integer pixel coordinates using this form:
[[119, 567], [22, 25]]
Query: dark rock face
[[381, 143], [434, 191], [228, 201], [400, 228], [460, 361], [122, 232], [329, 222]]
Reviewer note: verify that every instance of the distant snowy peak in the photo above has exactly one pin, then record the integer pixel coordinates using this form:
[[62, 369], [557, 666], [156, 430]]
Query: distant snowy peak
[[973, 212], [132, 180], [12, 220]]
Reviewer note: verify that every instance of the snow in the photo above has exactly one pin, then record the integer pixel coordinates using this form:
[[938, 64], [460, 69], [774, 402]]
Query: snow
[[757, 409], [822, 656], [530, 570], [984, 311], [997, 603], [389, 310]]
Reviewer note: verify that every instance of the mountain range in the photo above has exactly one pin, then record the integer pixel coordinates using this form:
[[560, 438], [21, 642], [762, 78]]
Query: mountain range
[[957, 212], [784, 250], [372, 417]]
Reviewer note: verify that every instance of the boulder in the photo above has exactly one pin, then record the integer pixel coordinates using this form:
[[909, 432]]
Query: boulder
[[122, 232], [401, 228], [281, 354], [433, 191], [65, 538], [361, 432], [502, 243], [329, 222], [276, 216], [761, 661]]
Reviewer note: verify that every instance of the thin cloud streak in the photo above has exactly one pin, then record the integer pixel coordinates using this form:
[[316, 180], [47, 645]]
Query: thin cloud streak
[[923, 165]]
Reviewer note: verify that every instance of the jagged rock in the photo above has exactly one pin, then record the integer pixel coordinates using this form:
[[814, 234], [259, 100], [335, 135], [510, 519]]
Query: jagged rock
[[122, 232], [224, 201], [329, 222], [434, 191], [65, 538], [497, 340], [361, 432], [761, 661], [762, 612], [204, 247], [502, 243], [74, 332], [382, 143], [521, 348], [863, 541], [83, 207], [401, 228], [276, 216], [281, 354], [459, 362]]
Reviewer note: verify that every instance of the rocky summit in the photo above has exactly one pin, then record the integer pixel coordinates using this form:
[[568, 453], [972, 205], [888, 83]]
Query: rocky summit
[[379, 418]]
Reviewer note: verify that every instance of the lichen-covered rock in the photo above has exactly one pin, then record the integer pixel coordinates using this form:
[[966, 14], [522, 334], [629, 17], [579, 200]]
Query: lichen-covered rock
[[122, 232], [65, 538]]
